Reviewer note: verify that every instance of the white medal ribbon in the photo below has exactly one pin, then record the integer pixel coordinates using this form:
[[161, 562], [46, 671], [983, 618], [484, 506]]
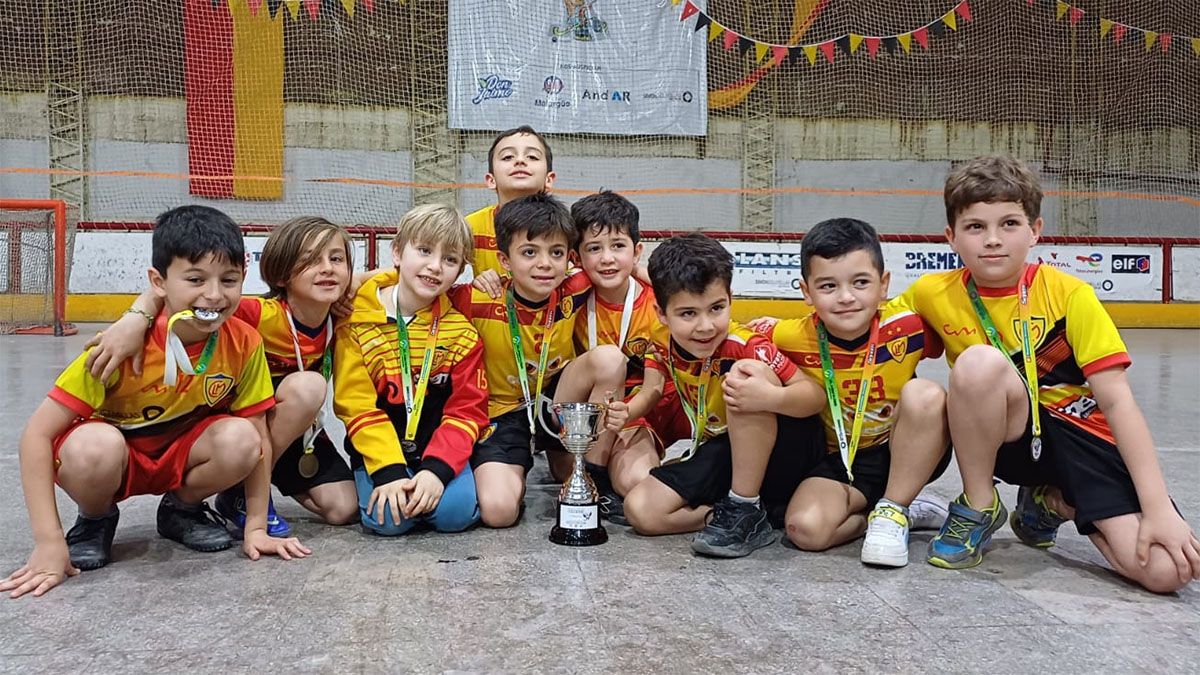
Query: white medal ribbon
[[319, 423], [177, 359], [626, 315]]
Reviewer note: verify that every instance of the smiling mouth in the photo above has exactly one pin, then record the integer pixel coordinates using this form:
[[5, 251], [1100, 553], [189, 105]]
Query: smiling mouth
[[206, 314], [429, 281]]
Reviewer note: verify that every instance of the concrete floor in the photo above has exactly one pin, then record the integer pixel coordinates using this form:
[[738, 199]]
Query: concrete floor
[[511, 601]]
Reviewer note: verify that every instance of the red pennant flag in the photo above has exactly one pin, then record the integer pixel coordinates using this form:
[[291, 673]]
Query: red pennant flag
[[872, 45], [780, 53], [370, 5], [731, 39], [922, 36], [1165, 40], [827, 50], [1119, 33], [688, 10], [963, 10], [254, 6], [313, 7], [1074, 15]]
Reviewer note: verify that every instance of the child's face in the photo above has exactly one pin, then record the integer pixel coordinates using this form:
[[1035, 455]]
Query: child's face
[[519, 168], [609, 257], [326, 279], [698, 322], [994, 239], [210, 283], [537, 266], [426, 270], [846, 292]]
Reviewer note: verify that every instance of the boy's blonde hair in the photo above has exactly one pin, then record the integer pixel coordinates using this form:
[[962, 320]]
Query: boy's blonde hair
[[433, 224], [284, 254], [991, 179]]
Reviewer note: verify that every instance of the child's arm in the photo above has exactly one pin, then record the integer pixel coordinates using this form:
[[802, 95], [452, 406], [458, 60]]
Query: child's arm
[[751, 386], [256, 541], [762, 325], [50, 562], [1161, 524], [124, 338], [643, 401], [489, 282]]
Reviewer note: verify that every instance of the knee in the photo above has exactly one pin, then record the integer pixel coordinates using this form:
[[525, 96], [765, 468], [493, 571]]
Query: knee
[[341, 511], [923, 398], [304, 391], [808, 530], [978, 369], [101, 453], [607, 361], [458, 517], [237, 445], [499, 510], [640, 511], [1161, 575]]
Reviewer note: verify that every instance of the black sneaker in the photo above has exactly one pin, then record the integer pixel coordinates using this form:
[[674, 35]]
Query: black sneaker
[[198, 528], [734, 530], [612, 505], [90, 540]]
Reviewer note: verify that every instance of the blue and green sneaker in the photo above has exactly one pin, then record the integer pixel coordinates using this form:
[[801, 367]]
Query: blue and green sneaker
[[965, 533], [1033, 521], [231, 504]]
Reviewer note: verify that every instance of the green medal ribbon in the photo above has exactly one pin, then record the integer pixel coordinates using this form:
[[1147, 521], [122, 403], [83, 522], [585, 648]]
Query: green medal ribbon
[[848, 449], [698, 416], [176, 353], [514, 331], [1027, 354], [414, 401]]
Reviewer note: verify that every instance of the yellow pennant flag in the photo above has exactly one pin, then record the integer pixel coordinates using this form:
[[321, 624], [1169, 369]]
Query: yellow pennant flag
[[1105, 26], [714, 29], [1060, 9], [905, 40], [349, 5], [950, 21], [1151, 36], [675, 2], [855, 41], [1196, 46], [811, 52], [293, 8], [760, 51]]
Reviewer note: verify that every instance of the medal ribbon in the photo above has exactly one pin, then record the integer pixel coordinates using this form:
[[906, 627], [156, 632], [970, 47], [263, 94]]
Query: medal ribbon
[[326, 371], [514, 331], [698, 416], [177, 358], [414, 402], [626, 316], [1027, 351], [848, 449]]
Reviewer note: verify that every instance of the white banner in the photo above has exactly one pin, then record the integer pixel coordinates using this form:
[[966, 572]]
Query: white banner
[[624, 67], [1185, 273]]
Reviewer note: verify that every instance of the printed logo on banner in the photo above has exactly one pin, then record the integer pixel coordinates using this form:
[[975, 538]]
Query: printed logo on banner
[[1092, 261], [931, 260], [552, 86], [491, 87], [672, 96], [613, 96], [1053, 261], [582, 22], [1130, 264]]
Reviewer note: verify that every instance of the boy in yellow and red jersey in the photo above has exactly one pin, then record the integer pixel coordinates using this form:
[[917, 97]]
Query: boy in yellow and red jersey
[[528, 335], [716, 366], [410, 383], [187, 434], [1038, 394], [885, 429]]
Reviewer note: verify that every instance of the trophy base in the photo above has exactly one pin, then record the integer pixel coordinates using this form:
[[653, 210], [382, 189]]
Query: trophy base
[[567, 537]]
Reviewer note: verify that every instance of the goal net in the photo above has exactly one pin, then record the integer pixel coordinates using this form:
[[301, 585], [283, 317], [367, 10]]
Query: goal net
[[32, 267]]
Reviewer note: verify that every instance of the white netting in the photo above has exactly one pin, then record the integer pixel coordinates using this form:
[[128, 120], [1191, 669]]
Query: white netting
[[26, 269], [814, 108]]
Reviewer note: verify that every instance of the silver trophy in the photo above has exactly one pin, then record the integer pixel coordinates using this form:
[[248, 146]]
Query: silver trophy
[[578, 501]]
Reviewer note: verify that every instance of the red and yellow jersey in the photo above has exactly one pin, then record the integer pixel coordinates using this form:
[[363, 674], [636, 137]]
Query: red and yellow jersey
[[269, 317], [491, 320], [483, 229], [643, 326], [152, 415], [369, 394], [1072, 334], [904, 339], [740, 343]]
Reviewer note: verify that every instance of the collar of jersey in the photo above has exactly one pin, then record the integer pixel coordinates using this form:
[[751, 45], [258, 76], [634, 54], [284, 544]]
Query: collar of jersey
[[997, 292]]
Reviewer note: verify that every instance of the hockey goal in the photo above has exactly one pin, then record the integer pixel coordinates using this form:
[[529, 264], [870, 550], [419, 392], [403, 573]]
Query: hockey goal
[[33, 267]]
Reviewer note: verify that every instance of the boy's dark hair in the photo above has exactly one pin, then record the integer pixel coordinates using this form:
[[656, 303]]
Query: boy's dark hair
[[689, 262], [606, 211], [990, 179], [537, 215], [523, 129], [193, 232], [835, 238]]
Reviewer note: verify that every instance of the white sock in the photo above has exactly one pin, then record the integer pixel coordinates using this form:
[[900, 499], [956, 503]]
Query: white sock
[[755, 500]]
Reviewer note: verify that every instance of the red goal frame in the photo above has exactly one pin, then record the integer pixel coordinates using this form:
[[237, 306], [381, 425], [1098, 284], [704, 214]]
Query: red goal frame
[[59, 325]]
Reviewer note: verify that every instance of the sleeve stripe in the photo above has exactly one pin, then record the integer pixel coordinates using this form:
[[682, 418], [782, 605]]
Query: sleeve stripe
[[76, 405], [252, 410], [365, 420], [469, 428], [1111, 361]]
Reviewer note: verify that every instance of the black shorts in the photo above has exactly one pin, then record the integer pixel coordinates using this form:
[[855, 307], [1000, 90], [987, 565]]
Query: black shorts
[[506, 439], [871, 466], [705, 477], [1088, 469], [331, 467]]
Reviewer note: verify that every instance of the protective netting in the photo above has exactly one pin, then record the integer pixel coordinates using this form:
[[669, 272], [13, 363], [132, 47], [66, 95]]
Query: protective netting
[[801, 109], [26, 265]]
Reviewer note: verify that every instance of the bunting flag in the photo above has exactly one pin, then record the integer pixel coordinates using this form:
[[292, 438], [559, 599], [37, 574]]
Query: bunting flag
[[313, 9], [847, 44], [1109, 28]]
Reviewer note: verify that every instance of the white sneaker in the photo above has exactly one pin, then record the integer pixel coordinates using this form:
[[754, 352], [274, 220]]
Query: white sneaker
[[886, 542], [927, 513]]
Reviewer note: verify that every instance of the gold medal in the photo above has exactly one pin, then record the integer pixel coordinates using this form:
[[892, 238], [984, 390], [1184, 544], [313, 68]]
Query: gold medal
[[309, 464]]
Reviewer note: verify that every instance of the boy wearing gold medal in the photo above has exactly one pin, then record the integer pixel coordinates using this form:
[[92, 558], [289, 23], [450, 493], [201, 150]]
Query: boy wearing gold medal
[[1038, 394], [187, 434], [409, 383]]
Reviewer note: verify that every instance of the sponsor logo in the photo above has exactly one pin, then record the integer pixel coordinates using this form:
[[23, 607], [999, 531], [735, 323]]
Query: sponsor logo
[[1092, 261], [780, 261], [1079, 407], [582, 23], [1130, 264], [552, 85], [685, 96], [947, 329], [551, 103], [1053, 261], [611, 95], [898, 348], [492, 87], [216, 387], [931, 260]]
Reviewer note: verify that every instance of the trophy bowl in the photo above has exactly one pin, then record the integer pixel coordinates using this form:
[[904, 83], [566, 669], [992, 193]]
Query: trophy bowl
[[578, 501]]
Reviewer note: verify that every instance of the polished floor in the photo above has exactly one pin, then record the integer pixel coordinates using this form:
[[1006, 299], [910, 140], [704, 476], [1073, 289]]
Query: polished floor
[[491, 601]]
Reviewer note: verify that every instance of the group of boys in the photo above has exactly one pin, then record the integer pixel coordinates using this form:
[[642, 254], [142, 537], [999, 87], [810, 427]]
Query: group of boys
[[816, 424]]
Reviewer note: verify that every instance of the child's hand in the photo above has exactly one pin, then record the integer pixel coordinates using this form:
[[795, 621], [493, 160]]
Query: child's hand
[[616, 415], [393, 496], [489, 282], [424, 494], [258, 543], [748, 387], [112, 347], [762, 324], [49, 565], [343, 306], [1167, 529]]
